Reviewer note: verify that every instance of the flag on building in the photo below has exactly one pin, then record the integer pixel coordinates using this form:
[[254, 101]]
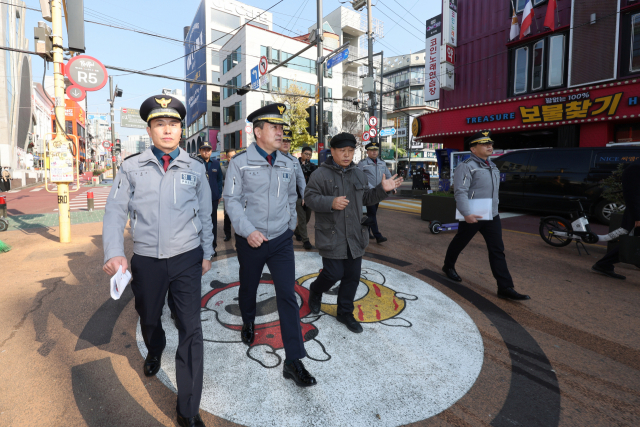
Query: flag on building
[[527, 19], [515, 27], [549, 20]]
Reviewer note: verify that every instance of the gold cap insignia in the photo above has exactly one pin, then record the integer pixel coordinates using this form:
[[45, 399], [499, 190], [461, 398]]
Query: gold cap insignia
[[281, 109], [485, 133], [163, 102]]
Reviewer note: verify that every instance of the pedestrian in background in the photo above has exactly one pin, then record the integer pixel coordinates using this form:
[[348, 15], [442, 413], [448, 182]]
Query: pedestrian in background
[[227, 222], [215, 179], [374, 169], [630, 219], [260, 193], [336, 193], [5, 180], [164, 193], [304, 212], [300, 182], [479, 178]]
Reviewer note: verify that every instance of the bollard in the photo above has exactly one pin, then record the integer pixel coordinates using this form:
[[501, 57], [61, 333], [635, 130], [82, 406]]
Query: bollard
[[3, 207], [90, 201]]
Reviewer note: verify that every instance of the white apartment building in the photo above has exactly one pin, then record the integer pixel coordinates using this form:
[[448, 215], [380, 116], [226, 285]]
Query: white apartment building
[[214, 24], [15, 86], [247, 46]]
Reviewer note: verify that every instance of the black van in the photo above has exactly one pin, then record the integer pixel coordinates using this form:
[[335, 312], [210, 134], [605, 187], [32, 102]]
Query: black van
[[539, 179]]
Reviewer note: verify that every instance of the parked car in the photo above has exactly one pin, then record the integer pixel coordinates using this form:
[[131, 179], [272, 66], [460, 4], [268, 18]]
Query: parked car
[[541, 179]]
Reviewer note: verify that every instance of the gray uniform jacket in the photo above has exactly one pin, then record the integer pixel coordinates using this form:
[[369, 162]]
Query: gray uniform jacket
[[170, 211], [300, 181], [473, 179], [259, 196], [337, 230], [373, 171]]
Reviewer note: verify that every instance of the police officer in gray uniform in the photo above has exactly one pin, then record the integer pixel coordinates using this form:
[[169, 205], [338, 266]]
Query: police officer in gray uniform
[[374, 168], [300, 181], [479, 178], [165, 195], [260, 194]]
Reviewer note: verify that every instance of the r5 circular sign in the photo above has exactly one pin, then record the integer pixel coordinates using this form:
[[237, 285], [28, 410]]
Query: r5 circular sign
[[86, 74]]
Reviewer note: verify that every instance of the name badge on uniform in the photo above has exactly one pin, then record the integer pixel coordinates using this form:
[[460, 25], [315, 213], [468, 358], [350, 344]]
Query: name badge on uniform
[[188, 179], [286, 177]]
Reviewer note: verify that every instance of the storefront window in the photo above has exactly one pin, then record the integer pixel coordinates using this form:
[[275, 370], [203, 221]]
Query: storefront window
[[634, 65], [538, 65], [556, 60], [627, 133], [522, 60]]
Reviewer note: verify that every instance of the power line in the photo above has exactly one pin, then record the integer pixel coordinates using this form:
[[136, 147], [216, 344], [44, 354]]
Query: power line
[[399, 24], [401, 17], [408, 10]]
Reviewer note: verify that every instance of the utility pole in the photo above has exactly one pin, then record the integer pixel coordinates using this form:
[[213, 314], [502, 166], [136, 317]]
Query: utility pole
[[60, 142], [113, 133], [320, 67], [372, 95]]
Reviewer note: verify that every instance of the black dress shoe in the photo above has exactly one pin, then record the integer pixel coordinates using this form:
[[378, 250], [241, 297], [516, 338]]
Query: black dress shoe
[[190, 422], [151, 365], [248, 333], [307, 245], [315, 301], [451, 274], [350, 322], [381, 239], [371, 236], [295, 371], [510, 293], [609, 273], [227, 238], [298, 237]]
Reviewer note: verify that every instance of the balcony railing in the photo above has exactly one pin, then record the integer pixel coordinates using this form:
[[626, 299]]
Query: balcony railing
[[350, 79]]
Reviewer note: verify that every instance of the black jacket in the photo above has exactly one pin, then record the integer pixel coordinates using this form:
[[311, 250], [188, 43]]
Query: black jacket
[[338, 230]]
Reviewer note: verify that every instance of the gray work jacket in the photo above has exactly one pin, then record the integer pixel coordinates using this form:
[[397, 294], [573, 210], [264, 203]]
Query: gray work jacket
[[374, 171], [259, 196], [169, 212], [473, 179], [301, 183], [337, 230]]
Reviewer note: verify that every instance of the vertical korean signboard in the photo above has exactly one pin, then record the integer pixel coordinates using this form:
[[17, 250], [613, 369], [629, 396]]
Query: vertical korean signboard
[[196, 67], [432, 62], [450, 22]]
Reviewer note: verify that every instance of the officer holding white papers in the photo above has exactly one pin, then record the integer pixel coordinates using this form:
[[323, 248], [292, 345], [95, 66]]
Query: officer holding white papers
[[165, 195], [260, 194], [479, 178]]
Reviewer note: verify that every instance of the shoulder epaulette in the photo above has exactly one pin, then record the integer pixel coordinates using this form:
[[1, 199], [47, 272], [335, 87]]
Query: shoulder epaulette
[[468, 160], [239, 154], [133, 155], [198, 158]]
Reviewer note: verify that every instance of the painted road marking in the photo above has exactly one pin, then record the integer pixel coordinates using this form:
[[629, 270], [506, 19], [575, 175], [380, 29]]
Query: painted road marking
[[37, 189], [420, 352]]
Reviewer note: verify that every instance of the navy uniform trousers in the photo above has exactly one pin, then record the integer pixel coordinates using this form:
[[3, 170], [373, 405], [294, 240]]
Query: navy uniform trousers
[[492, 233], [345, 270], [371, 214], [181, 274], [278, 255]]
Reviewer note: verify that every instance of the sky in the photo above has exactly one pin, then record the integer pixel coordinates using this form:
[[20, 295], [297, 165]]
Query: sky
[[404, 22]]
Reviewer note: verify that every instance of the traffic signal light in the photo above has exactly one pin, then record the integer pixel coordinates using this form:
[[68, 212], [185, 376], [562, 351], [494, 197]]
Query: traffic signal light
[[325, 128], [118, 147], [311, 120]]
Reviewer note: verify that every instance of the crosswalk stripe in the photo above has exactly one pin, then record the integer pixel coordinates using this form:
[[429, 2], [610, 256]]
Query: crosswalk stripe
[[37, 189]]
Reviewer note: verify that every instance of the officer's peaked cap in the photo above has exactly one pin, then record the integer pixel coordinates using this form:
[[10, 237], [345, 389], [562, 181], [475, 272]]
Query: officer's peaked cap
[[162, 106], [272, 113], [482, 137], [372, 146]]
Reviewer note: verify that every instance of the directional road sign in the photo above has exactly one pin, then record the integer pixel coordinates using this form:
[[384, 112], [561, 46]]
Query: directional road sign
[[75, 93], [338, 58], [387, 132], [255, 77], [373, 132], [263, 65], [373, 121], [365, 136]]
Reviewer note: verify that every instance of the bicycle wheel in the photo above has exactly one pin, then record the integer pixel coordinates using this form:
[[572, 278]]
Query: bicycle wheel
[[549, 226]]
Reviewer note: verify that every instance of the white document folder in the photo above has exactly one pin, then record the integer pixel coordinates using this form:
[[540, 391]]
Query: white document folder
[[119, 283], [482, 207]]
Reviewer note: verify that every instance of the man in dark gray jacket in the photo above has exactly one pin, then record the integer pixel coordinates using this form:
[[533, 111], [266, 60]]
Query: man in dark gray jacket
[[336, 192], [479, 178]]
